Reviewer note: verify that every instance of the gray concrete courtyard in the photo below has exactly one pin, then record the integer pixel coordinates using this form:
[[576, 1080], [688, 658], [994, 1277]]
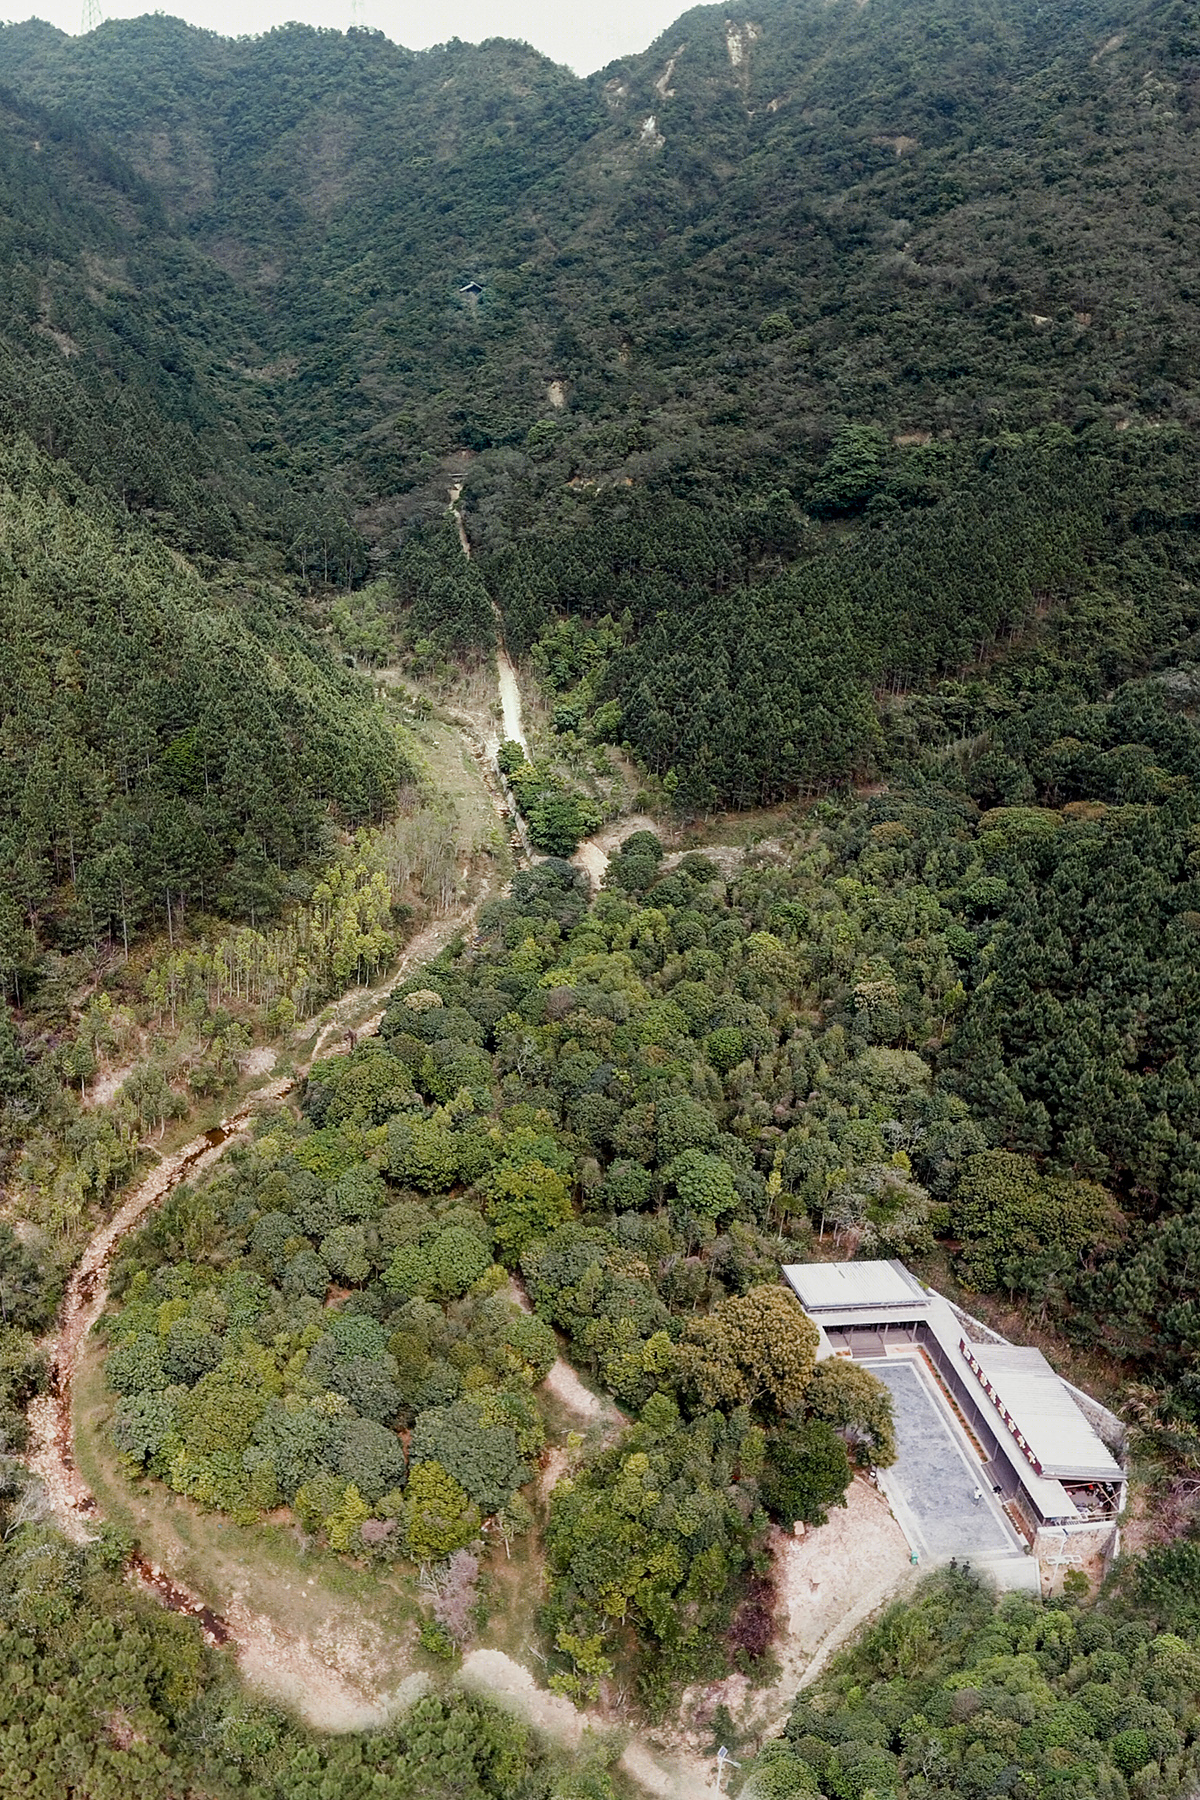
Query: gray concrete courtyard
[[932, 1484]]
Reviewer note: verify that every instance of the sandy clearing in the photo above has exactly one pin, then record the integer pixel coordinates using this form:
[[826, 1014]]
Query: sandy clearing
[[106, 1084], [592, 860], [836, 1576], [662, 86], [593, 854], [1109, 45], [328, 1680], [725, 858], [510, 1684], [673, 1775], [829, 1583], [566, 1387]]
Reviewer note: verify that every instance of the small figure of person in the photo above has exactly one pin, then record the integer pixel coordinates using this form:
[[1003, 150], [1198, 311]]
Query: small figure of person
[[977, 1496]]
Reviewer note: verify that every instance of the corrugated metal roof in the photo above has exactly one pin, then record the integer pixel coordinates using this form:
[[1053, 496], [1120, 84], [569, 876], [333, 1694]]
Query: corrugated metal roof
[[1057, 1432], [873, 1287]]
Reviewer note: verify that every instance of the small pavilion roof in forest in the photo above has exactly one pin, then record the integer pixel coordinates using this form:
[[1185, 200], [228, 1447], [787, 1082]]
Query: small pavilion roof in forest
[[874, 1288]]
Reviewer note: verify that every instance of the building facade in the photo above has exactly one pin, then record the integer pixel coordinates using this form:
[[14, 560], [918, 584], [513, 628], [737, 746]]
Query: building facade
[[1051, 1457]]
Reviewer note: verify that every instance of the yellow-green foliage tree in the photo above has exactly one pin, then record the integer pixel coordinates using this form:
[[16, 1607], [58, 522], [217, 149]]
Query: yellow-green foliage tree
[[854, 1401], [346, 933], [525, 1203], [752, 1348], [438, 1516]]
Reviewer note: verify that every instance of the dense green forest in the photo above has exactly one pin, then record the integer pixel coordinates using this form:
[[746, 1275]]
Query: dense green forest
[[922, 219], [166, 742], [777, 429], [125, 352], [554, 1105], [744, 680], [954, 1694], [821, 392]]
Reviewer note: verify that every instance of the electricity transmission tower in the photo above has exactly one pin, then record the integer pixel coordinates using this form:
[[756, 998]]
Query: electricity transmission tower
[[91, 16], [356, 15]]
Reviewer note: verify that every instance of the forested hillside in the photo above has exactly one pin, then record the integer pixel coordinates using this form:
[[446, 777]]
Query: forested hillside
[[815, 398], [753, 317], [164, 742], [919, 217], [128, 353]]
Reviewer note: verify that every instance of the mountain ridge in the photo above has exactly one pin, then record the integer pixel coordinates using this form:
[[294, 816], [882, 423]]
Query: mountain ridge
[[799, 280], [299, 168]]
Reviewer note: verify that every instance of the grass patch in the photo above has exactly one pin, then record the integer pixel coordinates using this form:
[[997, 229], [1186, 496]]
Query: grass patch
[[513, 1589], [270, 1568]]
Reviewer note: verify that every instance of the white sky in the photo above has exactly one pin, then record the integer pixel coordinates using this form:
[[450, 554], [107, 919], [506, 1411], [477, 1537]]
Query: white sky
[[585, 36]]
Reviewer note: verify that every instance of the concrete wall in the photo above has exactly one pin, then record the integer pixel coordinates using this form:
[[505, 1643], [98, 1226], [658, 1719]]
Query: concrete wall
[[980, 1420], [950, 1369], [1099, 1537]]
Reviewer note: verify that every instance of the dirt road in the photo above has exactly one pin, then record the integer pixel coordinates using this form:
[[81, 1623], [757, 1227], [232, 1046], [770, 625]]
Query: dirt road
[[510, 692], [335, 1685], [361, 1009], [52, 1457], [593, 854], [510, 700]]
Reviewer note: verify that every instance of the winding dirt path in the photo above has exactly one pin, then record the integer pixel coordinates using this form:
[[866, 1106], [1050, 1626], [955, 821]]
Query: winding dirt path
[[52, 1456], [291, 1670], [347, 1016], [314, 1678]]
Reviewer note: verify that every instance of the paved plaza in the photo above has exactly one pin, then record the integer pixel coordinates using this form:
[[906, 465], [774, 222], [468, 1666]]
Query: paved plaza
[[933, 1483]]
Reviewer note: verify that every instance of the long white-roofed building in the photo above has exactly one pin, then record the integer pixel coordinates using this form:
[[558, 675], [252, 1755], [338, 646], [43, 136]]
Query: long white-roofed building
[[1044, 1456]]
